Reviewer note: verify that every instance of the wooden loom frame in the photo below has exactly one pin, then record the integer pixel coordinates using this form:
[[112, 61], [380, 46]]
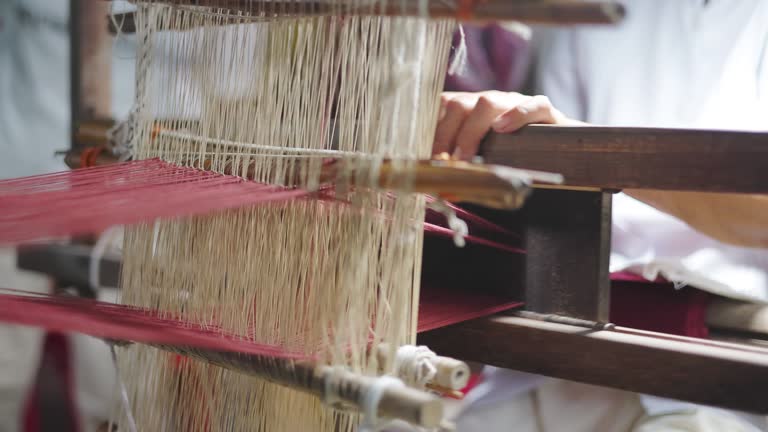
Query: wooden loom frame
[[596, 162]]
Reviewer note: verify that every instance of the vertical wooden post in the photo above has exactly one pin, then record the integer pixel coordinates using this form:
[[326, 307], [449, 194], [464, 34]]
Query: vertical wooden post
[[91, 63], [568, 239]]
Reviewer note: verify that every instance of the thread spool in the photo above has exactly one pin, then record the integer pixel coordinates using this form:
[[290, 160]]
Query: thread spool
[[451, 373]]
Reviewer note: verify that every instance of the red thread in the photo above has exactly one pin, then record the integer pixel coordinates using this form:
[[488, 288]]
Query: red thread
[[445, 232], [89, 156], [94, 155], [438, 308], [84, 156], [89, 200]]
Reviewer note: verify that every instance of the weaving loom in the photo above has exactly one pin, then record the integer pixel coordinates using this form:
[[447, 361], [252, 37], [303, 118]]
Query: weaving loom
[[321, 111], [338, 163], [282, 274]]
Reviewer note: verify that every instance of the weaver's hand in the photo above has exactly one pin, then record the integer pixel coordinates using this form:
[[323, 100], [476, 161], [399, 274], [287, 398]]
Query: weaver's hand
[[465, 118]]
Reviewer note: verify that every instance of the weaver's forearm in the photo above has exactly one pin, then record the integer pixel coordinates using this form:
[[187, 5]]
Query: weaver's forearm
[[737, 219]]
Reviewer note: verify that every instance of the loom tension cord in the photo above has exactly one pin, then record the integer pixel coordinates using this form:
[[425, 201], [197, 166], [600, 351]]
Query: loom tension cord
[[123, 391]]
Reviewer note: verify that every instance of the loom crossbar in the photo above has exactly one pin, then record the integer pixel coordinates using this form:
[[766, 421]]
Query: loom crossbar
[[712, 373], [557, 12], [640, 158]]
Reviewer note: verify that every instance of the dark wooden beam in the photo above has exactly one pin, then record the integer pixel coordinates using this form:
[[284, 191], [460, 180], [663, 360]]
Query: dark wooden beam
[[557, 12], [705, 372], [642, 158], [69, 265], [567, 237]]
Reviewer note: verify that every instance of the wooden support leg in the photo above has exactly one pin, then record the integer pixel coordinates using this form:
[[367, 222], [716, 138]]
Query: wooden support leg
[[568, 239]]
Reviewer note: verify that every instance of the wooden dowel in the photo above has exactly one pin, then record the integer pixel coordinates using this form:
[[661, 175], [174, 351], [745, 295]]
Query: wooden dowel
[[405, 403], [490, 186], [495, 187]]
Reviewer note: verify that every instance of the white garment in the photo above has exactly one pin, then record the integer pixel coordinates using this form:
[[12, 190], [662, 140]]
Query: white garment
[[564, 406], [34, 86], [670, 64], [651, 243]]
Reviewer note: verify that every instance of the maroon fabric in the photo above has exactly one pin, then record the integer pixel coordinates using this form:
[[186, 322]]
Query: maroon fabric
[[658, 306], [441, 307], [497, 59], [50, 405]]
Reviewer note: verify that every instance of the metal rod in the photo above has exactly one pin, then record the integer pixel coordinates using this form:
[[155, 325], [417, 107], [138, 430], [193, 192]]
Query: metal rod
[[559, 319], [414, 406]]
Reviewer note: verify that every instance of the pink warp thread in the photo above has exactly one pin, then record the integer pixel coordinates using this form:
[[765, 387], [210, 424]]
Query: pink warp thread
[[438, 308], [89, 200]]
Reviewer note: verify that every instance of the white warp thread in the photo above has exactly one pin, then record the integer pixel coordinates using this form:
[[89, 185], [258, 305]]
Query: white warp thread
[[458, 226], [120, 136], [459, 62], [123, 393]]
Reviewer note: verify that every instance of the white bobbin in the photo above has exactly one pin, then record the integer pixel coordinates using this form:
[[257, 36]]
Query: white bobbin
[[415, 365]]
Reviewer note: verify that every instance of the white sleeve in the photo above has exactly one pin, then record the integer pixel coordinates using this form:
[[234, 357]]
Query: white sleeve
[[557, 74], [669, 415], [762, 77], [699, 420]]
